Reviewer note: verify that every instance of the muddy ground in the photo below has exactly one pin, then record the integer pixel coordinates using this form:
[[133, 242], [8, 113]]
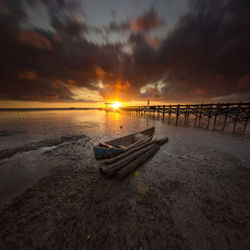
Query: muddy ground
[[188, 196]]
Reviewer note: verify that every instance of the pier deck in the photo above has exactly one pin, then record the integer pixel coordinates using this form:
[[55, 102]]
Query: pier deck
[[211, 116]]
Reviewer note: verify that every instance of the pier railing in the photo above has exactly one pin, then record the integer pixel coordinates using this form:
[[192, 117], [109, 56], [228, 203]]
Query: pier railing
[[201, 115]]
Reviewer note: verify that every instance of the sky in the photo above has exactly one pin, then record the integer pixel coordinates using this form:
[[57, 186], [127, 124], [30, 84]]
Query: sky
[[83, 53]]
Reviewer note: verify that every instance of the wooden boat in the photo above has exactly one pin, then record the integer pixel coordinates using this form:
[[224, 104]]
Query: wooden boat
[[120, 145]]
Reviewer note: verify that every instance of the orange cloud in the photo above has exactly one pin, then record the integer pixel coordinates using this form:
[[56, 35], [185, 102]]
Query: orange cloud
[[121, 85], [28, 75], [198, 92], [72, 82], [148, 21], [154, 42], [57, 84], [244, 81], [37, 40], [57, 38], [100, 72]]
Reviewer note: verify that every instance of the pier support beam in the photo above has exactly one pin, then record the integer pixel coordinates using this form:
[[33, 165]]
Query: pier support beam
[[236, 113], [177, 114]]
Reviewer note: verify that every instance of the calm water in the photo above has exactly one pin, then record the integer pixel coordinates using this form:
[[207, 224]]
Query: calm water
[[19, 128], [29, 126], [38, 125]]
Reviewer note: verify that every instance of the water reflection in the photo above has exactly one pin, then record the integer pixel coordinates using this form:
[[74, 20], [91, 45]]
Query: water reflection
[[24, 127], [39, 125], [216, 123]]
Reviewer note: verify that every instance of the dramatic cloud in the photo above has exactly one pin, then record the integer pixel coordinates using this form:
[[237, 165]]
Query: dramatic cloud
[[35, 39], [29, 75], [41, 65], [209, 51], [205, 57], [148, 21]]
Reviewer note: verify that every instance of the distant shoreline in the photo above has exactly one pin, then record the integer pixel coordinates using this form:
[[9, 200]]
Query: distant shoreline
[[46, 109]]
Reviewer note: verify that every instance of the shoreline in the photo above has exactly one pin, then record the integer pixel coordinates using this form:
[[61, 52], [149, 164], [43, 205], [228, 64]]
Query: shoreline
[[46, 109], [187, 196]]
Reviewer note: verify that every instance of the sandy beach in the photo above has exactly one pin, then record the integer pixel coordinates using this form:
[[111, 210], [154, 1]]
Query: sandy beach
[[193, 194]]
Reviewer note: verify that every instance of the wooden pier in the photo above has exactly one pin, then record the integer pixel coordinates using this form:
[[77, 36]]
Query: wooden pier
[[220, 116]]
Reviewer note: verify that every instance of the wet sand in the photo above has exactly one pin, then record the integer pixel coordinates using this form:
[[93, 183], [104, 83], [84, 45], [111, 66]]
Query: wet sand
[[193, 194], [188, 196]]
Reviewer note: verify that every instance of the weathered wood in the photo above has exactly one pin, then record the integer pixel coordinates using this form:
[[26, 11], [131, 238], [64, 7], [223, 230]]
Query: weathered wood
[[162, 141], [122, 173], [209, 115], [236, 118], [215, 116], [230, 111], [226, 115], [111, 169], [158, 111], [187, 114], [125, 154], [177, 114], [169, 113], [247, 118], [163, 111], [200, 114], [196, 114]]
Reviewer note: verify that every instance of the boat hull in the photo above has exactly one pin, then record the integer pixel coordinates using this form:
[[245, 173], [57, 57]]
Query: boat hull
[[106, 153], [120, 145]]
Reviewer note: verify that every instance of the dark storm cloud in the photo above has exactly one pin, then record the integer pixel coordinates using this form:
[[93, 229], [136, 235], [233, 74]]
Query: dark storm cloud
[[44, 65], [68, 26], [206, 55], [65, 16]]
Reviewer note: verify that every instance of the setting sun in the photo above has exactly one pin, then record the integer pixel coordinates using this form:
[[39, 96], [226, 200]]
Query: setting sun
[[116, 105]]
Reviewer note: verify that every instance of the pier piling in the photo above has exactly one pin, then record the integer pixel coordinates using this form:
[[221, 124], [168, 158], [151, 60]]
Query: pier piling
[[226, 115]]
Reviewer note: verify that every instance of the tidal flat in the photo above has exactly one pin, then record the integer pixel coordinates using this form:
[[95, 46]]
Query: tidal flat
[[193, 194]]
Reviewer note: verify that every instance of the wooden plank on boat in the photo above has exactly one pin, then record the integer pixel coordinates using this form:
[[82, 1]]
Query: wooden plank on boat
[[113, 168], [122, 173], [121, 161], [125, 154], [162, 141], [139, 142], [120, 145]]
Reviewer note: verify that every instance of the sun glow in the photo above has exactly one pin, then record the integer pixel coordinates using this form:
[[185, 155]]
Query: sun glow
[[116, 105]]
